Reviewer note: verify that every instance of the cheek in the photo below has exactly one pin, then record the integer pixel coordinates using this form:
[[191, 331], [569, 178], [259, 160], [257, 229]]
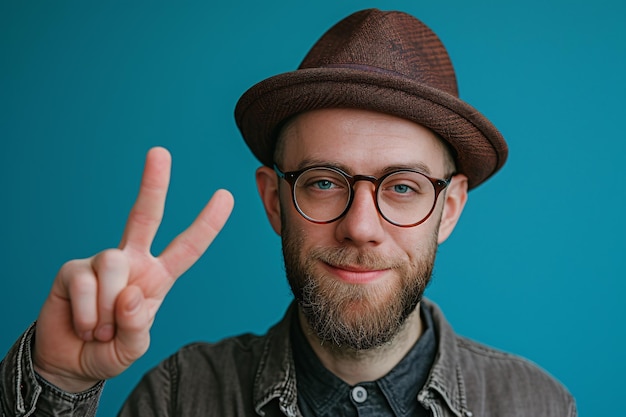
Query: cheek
[[309, 234], [418, 241]]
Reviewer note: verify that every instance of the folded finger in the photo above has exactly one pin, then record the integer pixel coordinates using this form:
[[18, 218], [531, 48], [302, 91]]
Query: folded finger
[[111, 268], [81, 287], [133, 325]]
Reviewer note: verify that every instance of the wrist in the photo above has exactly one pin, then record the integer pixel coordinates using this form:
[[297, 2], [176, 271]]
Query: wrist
[[64, 383]]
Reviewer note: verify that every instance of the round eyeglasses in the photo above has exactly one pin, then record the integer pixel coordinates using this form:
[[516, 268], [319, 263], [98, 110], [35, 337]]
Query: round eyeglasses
[[323, 194]]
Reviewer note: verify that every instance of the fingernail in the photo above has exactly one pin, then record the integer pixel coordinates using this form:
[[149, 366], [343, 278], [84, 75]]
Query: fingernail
[[105, 332]]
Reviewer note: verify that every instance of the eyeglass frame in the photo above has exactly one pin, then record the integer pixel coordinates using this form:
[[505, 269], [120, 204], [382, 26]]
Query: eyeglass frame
[[291, 177]]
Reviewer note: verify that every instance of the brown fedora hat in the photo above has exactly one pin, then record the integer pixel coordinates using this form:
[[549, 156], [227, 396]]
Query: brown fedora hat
[[383, 61]]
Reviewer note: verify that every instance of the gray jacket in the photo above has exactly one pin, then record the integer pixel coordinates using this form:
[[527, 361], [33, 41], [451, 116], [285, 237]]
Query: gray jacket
[[254, 375]]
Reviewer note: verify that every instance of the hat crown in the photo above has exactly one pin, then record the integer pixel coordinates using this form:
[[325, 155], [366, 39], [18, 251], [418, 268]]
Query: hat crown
[[387, 62], [393, 43]]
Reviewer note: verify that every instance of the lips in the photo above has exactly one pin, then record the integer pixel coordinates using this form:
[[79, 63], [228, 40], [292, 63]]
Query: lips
[[355, 274]]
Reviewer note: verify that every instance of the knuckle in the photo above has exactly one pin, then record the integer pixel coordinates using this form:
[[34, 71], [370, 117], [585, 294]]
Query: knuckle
[[189, 247], [110, 258], [143, 218], [72, 267]]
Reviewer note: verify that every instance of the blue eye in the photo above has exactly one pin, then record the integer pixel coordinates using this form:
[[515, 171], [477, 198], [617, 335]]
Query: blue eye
[[401, 188], [324, 184]]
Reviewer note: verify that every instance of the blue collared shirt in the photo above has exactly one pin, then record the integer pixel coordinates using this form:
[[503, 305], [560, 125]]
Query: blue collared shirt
[[322, 394]]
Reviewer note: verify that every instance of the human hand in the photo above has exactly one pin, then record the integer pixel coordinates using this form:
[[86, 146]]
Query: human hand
[[96, 320]]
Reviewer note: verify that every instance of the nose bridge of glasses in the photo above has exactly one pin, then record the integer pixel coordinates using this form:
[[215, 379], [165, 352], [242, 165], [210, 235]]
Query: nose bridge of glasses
[[357, 178], [353, 180]]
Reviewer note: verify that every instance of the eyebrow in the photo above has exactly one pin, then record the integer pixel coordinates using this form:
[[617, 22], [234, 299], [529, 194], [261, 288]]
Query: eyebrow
[[311, 162]]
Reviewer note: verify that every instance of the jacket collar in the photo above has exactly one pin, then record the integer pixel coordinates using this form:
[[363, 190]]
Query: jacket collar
[[276, 376], [446, 378]]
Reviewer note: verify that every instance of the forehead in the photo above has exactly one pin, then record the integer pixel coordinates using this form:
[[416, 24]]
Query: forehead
[[362, 141]]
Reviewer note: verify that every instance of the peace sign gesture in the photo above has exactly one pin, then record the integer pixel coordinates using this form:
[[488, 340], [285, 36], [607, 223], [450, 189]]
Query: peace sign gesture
[[96, 320]]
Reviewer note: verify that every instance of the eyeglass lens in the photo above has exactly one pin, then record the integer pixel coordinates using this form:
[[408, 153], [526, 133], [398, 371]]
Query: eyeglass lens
[[403, 198]]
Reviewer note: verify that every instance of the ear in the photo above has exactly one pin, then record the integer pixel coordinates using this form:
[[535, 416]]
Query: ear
[[455, 198], [267, 184]]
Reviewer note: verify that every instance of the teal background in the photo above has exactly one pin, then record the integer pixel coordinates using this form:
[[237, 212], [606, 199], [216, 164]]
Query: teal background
[[535, 266]]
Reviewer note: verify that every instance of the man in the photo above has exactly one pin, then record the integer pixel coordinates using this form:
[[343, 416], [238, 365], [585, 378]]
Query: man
[[368, 155]]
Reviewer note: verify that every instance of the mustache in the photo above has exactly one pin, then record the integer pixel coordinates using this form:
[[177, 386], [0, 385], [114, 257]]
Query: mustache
[[350, 257]]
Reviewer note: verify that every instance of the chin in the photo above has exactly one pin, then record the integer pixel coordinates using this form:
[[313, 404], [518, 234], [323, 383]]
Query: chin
[[356, 317]]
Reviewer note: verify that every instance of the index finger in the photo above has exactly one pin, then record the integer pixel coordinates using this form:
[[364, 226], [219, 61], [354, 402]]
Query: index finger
[[145, 217]]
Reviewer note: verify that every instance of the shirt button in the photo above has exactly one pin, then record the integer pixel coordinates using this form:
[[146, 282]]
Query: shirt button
[[359, 394]]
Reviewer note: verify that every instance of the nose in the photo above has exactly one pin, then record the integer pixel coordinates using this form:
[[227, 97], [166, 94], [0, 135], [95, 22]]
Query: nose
[[362, 224]]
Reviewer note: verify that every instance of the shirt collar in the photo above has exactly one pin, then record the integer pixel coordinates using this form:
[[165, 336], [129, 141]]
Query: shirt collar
[[327, 394]]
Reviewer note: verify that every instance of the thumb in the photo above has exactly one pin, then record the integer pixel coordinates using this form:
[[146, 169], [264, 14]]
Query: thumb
[[133, 325]]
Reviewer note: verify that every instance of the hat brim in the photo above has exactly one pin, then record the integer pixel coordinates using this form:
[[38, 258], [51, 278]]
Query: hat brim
[[480, 149]]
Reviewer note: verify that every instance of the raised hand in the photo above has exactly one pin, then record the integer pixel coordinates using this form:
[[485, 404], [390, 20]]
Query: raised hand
[[96, 320]]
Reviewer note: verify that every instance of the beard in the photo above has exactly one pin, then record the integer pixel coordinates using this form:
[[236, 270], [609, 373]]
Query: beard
[[354, 317]]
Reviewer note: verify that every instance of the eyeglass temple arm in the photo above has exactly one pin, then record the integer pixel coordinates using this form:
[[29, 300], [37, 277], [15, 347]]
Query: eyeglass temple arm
[[278, 172]]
